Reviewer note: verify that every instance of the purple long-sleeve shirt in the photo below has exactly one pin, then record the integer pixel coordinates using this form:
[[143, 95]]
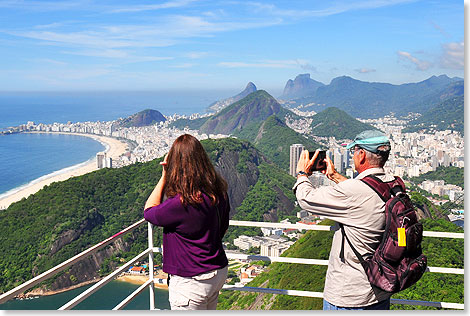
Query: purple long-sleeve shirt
[[192, 238]]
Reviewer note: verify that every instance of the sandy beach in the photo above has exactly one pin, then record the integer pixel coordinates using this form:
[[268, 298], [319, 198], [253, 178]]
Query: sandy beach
[[141, 279], [114, 148]]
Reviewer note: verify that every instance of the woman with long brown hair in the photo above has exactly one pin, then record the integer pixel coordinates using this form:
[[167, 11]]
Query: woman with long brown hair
[[194, 218]]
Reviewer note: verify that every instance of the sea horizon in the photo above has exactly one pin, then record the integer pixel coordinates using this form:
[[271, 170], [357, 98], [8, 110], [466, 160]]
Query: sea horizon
[[81, 106], [77, 106]]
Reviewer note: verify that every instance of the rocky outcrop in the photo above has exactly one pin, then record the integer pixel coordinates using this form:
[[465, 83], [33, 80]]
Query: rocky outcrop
[[88, 268], [219, 105], [300, 87], [239, 183], [93, 219]]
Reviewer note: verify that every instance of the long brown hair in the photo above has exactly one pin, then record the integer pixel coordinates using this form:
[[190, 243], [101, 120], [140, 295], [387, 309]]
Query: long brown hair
[[189, 172]]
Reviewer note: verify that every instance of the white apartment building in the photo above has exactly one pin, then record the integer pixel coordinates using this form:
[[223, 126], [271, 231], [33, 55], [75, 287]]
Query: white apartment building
[[295, 151]]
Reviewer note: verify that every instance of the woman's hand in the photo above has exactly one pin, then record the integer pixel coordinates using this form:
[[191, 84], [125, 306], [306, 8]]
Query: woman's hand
[[157, 194], [164, 164]]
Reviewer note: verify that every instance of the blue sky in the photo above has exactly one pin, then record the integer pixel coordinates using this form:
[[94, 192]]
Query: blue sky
[[190, 44]]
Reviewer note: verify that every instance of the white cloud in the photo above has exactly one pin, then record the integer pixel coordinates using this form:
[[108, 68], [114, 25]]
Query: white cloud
[[117, 54], [196, 55], [453, 56], [152, 7], [182, 66], [420, 64], [336, 8], [292, 63], [364, 70]]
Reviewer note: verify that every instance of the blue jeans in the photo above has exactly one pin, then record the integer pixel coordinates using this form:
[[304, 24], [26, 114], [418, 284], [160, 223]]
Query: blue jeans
[[380, 305]]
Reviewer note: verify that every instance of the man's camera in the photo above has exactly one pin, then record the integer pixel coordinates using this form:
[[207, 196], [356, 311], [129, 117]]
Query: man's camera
[[320, 163]]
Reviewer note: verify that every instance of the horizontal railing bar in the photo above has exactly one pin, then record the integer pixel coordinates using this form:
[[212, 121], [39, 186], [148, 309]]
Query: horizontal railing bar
[[74, 302], [64, 265], [320, 295], [128, 299], [445, 270], [327, 228], [273, 291], [281, 225], [324, 262], [428, 233], [277, 259], [427, 303]]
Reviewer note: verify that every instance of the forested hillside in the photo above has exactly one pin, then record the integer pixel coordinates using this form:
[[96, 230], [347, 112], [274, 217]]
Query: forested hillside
[[274, 138], [335, 122], [68, 217], [448, 114]]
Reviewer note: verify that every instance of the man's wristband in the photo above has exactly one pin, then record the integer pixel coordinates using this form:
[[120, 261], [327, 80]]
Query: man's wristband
[[302, 173]]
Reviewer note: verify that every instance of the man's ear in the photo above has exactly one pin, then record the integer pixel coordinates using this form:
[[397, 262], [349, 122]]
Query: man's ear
[[362, 156]]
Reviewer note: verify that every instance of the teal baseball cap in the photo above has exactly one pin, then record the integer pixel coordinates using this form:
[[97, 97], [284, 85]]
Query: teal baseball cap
[[370, 140]]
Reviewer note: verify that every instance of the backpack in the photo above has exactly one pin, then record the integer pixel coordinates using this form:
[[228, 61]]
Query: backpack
[[398, 262]]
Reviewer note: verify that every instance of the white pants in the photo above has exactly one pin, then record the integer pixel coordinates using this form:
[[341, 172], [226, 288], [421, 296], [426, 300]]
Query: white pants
[[197, 292]]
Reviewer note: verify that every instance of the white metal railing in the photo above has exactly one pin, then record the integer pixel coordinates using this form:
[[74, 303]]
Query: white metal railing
[[150, 283]]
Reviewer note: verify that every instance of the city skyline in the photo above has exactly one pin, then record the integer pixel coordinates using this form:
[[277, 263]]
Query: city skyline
[[186, 44]]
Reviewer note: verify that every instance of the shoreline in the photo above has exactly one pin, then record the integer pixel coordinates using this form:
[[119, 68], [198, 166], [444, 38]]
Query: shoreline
[[113, 148], [128, 278]]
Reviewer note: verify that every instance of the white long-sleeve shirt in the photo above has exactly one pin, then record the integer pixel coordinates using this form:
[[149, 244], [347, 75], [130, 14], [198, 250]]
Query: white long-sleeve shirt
[[360, 209]]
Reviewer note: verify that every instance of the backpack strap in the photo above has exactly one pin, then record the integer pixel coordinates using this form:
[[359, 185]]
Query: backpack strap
[[384, 189], [358, 255], [380, 187]]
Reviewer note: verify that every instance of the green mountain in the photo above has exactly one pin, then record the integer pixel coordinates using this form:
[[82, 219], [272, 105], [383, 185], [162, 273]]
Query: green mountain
[[68, 217], [441, 252], [273, 138], [191, 124], [143, 118], [335, 122], [254, 108], [373, 99], [448, 114]]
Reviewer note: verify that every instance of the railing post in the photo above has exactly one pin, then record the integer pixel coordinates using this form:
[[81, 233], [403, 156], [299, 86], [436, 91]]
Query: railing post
[[151, 285]]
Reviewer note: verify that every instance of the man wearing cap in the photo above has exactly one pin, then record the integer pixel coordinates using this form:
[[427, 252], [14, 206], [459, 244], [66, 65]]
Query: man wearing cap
[[355, 205]]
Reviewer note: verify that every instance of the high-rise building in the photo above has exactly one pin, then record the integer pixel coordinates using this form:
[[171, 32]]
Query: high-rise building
[[103, 161], [295, 151], [338, 160], [100, 160]]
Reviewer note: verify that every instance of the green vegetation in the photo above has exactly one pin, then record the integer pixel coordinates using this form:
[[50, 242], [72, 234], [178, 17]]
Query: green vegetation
[[270, 199], [274, 138], [191, 124], [451, 175], [68, 217], [335, 122], [448, 115]]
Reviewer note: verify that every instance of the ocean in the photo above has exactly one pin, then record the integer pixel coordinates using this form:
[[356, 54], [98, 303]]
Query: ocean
[[25, 158], [104, 299]]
